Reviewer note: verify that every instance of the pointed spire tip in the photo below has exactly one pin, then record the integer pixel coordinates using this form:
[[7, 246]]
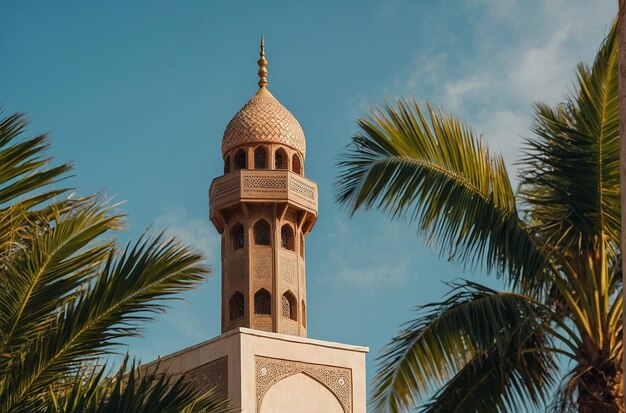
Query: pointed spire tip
[[262, 65]]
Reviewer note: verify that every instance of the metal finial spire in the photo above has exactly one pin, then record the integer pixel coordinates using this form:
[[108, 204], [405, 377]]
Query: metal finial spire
[[262, 66]]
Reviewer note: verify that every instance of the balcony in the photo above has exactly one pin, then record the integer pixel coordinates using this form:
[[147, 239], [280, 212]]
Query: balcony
[[262, 186]]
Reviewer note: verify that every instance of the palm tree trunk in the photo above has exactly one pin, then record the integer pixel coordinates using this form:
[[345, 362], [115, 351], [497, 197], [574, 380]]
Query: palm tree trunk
[[602, 390], [622, 132]]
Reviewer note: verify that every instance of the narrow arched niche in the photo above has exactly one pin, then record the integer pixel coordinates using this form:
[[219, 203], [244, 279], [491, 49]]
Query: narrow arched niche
[[280, 159], [263, 302], [241, 159], [286, 237], [236, 306], [262, 233], [296, 165], [289, 306], [260, 158], [237, 236], [227, 164]]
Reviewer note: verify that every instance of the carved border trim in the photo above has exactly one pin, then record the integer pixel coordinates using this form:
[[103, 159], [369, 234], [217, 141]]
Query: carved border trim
[[269, 371], [212, 375]]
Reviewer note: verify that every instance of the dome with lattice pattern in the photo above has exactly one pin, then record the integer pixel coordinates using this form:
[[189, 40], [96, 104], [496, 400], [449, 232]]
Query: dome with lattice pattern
[[263, 120]]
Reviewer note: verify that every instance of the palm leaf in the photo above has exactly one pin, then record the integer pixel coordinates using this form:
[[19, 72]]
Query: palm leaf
[[571, 184], [22, 166], [474, 338], [438, 174], [131, 390], [126, 292]]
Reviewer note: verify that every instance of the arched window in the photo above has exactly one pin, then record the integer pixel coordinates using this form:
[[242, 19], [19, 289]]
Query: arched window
[[303, 314], [286, 237], [236, 306], [241, 160], [260, 158], [262, 302], [262, 232], [289, 306], [237, 235], [227, 164], [296, 165], [280, 159]]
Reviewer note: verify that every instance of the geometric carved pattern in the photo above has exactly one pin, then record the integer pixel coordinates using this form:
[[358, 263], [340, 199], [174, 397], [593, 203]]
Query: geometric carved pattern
[[262, 183], [288, 329], [303, 189], [337, 379], [262, 267], [225, 187], [263, 119], [212, 375], [288, 270]]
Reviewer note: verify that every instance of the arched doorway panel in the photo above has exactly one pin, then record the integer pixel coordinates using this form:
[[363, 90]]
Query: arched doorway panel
[[300, 393]]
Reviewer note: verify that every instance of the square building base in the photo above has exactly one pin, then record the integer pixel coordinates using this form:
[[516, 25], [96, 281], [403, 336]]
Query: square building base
[[262, 372]]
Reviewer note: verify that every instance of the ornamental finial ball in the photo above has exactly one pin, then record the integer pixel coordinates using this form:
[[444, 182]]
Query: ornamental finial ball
[[262, 66]]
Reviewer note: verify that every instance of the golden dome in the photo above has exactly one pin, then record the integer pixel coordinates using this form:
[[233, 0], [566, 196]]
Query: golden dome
[[263, 120]]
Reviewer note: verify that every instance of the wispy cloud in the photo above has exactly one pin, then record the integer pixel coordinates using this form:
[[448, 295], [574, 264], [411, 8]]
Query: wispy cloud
[[197, 232], [358, 259], [533, 58]]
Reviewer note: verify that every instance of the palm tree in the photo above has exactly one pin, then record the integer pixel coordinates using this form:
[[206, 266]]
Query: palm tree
[[554, 339], [69, 294]]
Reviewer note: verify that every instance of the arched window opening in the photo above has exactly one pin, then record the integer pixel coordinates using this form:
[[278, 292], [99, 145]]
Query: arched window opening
[[290, 306], [302, 246], [227, 164], [241, 161], [303, 314], [286, 237], [296, 165], [260, 158], [262, 302], [280, 159], [236, 306], [237, 235], [262, 233]]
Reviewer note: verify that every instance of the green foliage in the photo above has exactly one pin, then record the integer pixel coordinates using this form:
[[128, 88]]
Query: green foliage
[[70, 294], [556, 244]]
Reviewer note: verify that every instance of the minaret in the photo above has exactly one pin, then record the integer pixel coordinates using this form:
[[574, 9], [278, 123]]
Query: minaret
[[263, 207]]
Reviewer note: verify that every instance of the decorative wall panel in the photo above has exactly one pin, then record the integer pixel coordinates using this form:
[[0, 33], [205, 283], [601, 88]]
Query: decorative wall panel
[[337, 379]]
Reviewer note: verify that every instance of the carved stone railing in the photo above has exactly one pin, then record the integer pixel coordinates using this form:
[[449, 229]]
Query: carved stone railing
[[263, 186]]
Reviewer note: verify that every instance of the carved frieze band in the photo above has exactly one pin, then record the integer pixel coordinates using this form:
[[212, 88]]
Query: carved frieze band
[[226, 188], [212, 375], [337, 379], [262, 183], [302, 189]]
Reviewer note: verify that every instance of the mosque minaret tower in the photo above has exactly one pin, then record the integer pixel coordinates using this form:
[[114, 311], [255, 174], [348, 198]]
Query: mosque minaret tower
[[263, 207]]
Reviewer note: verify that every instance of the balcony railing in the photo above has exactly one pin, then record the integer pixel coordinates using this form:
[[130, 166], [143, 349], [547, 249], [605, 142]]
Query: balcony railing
[[248, 185]]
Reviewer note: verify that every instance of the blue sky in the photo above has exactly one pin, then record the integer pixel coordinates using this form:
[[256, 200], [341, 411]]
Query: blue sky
[[137, 95]]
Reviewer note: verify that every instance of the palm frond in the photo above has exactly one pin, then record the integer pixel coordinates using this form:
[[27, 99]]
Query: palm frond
[[571, 184], [473, 338], [436, 172], [132, 389], [23, 165], [50, 269], [126, 292]]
